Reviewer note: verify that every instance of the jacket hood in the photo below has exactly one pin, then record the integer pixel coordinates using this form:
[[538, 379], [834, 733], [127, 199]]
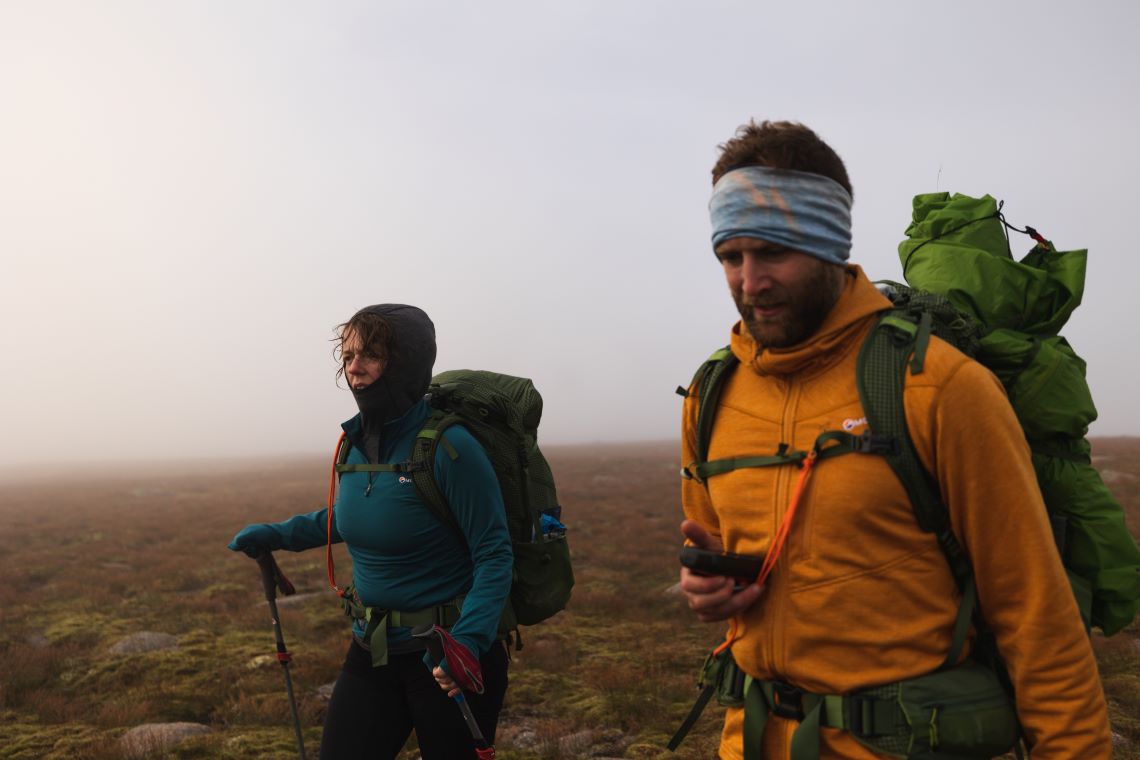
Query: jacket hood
[[860, 299], [407, 374]]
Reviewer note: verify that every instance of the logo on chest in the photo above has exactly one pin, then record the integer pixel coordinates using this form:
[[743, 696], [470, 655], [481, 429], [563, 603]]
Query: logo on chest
[[405, 479], [850, 424]]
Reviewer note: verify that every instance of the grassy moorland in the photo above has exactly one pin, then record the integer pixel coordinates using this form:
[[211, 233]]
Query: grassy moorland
[[89, 559]]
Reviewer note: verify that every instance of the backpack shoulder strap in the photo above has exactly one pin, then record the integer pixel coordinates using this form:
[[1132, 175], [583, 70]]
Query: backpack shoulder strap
[[880, 378], [424, 448], [896, 339], [712, 376], [708, 381]]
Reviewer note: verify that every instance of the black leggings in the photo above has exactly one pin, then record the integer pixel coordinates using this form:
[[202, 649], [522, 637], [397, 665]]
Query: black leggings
[[373, 710]]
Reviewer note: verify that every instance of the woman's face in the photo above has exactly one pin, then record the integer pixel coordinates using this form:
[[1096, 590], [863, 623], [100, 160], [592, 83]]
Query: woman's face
[[361, 367]]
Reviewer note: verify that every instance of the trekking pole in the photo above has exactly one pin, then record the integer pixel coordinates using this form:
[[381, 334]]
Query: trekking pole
[[272, 579], [430, 634]]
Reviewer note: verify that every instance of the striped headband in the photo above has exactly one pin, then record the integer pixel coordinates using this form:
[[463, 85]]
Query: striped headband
[[801, 211]]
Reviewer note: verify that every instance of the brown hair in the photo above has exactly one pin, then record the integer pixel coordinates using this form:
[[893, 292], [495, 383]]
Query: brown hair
[[780, 145], [374, 333]]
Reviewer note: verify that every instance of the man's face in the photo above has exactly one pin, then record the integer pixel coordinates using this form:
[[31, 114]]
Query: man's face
[[782, 295], [361, 367]]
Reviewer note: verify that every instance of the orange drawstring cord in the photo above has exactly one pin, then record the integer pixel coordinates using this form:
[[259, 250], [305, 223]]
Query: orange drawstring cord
[[777, 542], [328, 526], [731, 637], [786, 524]]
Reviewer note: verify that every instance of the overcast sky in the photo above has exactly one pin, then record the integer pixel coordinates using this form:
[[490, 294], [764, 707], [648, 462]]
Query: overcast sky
[[192, 194]]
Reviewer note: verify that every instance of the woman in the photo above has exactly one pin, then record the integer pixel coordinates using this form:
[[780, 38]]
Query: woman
[[408, 567]]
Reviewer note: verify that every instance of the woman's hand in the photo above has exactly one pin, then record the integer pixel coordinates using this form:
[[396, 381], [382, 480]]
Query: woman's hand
[[445, 681]]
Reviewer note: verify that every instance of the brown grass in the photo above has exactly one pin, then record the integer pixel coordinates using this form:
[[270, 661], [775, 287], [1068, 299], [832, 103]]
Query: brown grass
[[88, 558]]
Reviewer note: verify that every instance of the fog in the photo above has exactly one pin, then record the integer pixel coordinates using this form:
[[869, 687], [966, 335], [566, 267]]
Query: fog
[[192, 195]]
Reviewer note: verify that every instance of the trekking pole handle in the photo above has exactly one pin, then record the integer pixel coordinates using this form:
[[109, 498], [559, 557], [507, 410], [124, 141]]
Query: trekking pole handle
[[434, 644], [435, 648], [272, 578]]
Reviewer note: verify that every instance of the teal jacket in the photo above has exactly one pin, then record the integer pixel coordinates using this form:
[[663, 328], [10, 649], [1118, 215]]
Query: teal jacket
[[403, 557]]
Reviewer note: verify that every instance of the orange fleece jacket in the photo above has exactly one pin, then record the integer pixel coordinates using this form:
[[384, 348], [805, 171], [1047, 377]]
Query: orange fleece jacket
[[860, 596]]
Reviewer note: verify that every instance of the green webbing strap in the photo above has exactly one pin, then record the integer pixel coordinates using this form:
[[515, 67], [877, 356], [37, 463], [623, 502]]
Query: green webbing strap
[[705, 470], [921, 341], [397, 467], [900, 323], [805, 739], [844, 443], [377, 621], [437, 435], [961, 623], [755, 718], [1059, 450], [862, 715], [691, 718], [716, 669]]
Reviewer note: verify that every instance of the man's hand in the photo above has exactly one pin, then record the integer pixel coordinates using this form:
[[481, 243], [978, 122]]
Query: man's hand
[[711, 596]]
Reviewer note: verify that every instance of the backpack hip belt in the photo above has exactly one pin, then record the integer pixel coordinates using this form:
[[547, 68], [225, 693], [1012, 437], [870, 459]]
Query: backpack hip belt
[[958, 713], [378, 620]]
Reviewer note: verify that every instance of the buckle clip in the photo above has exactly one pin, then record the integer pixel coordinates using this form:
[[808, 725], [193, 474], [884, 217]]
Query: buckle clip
[[788, 701], [859, 716], [869, 443]]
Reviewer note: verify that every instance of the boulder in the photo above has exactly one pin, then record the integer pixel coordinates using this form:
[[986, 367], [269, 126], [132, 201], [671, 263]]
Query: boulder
[[156, 737]]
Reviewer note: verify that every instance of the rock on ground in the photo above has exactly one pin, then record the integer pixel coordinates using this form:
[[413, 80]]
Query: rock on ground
[[145, 641], [151, 737]]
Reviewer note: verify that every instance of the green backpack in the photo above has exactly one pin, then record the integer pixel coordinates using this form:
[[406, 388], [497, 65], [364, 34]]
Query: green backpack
[[1006, 315], [502, 413]]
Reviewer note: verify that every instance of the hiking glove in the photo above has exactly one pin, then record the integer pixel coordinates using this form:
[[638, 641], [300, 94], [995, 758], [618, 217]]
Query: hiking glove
[[257, 539]]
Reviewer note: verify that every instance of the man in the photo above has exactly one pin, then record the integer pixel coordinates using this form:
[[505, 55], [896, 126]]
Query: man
[[858, 596]]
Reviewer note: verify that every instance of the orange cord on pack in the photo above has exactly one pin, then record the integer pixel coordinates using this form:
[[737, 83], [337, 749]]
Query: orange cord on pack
[[777, 542], [328, 527]]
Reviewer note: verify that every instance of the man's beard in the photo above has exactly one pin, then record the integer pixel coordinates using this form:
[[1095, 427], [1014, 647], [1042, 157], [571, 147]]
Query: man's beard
[[805, 305]]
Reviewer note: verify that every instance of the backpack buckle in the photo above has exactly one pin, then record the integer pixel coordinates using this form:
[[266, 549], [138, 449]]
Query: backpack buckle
[[787, 700], [859, 716], [869, 443]]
